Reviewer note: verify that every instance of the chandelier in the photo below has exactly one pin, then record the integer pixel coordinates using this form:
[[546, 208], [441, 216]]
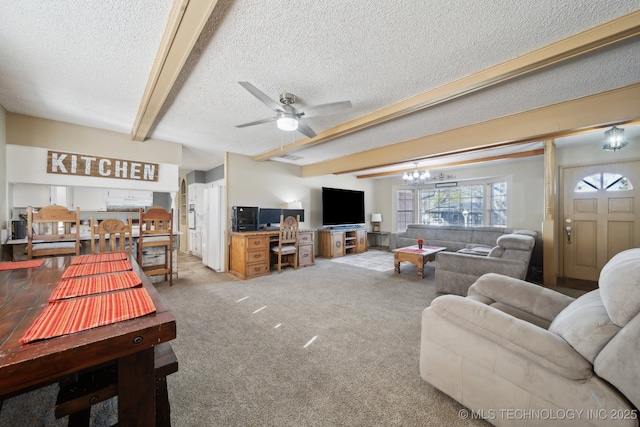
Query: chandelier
[[417, 177], [614, 139]]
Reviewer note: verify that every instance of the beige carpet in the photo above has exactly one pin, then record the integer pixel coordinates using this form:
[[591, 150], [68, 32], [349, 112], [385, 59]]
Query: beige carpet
[[327, 345]]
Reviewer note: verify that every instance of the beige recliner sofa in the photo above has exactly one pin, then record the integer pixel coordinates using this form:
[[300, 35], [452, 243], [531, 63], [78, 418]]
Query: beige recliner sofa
[[456, 272], [520, 354]]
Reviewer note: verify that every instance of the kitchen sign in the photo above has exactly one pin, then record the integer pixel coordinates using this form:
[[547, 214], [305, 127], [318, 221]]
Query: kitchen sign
[[102, 167]]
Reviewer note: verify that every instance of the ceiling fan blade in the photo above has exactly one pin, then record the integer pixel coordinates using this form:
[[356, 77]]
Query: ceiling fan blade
[[262, 97], [304, 129], [332, 107], [257, 122]]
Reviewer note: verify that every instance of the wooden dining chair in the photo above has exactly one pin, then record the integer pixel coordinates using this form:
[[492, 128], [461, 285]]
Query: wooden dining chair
[[55, 231], [286, 251], [156, 230], [113, 235]]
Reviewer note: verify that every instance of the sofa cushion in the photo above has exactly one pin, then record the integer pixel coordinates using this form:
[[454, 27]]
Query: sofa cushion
[[585, 325], [619, 285]]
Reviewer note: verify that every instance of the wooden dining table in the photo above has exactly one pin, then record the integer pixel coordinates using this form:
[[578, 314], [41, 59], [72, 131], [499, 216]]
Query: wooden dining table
[[24, 293]]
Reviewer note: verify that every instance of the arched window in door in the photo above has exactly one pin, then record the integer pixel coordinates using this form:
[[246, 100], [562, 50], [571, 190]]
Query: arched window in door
[[606, 181]]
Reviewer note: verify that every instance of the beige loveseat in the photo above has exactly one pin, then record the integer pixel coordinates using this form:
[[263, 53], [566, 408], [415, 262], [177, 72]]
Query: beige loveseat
[[520, 354], [456, 272]]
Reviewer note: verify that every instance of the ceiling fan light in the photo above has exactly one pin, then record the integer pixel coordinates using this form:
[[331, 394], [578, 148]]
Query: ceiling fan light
[[287, 121]]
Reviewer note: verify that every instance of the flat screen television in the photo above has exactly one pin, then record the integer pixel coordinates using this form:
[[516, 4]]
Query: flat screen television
[[268, 216], [342, 207]]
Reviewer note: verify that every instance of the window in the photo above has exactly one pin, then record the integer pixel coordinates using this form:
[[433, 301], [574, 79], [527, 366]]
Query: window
[[466, 205], [498, 211], [603, 181], [404, 209], [452, 206]]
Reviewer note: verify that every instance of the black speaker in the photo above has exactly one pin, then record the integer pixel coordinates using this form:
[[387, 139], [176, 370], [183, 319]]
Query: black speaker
[[18, 230]]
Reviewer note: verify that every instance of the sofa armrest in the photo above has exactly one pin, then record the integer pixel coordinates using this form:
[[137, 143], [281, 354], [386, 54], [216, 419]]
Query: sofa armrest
[[518, 336], [525, 296], [477, 266], [393, 240]]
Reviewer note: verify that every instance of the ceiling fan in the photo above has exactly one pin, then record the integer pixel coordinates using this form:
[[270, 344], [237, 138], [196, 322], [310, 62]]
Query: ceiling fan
[[287, 116]]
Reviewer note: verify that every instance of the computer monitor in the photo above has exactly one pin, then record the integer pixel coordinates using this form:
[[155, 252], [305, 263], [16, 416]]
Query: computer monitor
[[269, 216]]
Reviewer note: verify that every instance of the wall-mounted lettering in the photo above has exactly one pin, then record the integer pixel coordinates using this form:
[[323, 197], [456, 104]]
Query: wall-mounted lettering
[[102, 167]]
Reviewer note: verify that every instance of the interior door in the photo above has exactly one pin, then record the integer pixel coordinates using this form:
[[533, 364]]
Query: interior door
[[600, 216]]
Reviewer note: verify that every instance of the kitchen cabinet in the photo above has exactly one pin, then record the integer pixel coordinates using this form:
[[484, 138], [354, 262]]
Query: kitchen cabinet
[[195, 242], [90, 198]]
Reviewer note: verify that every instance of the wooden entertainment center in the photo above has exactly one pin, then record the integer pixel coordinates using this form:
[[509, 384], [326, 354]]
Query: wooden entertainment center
[[339, 242]]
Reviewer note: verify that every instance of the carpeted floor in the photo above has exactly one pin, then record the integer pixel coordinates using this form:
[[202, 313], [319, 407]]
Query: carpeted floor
[[327, 345]]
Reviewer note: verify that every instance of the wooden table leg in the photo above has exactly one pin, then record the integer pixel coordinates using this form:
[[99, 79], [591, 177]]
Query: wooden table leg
[[420, 263], [136, 389], [396, 263]]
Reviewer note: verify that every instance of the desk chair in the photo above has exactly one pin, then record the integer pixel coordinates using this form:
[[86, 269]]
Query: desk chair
[[156, 230], [287, 246], [54, 225], [113, 235]]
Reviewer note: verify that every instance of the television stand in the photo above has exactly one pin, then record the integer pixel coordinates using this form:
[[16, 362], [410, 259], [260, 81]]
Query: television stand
[[338, 242]]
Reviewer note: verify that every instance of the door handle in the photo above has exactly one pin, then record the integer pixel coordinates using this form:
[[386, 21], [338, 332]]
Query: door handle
[[568, 229]]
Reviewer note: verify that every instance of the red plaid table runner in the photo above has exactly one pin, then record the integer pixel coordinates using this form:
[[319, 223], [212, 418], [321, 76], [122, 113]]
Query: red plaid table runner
[[69, 288], [96, 268], [73, 315], [90, 259], [13, 265]]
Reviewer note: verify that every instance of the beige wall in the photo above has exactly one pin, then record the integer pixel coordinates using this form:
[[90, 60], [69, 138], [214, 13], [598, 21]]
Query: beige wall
[[4, 210], [29, 138], [36, 132], [273, 184]]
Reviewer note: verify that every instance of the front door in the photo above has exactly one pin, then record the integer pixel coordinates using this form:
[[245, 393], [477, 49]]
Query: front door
[[601, 208]]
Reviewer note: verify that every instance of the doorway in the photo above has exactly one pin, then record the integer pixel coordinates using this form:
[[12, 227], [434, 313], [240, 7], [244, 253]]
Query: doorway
[[599, 216]]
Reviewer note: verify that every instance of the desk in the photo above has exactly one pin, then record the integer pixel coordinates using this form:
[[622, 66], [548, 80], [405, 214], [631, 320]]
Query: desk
[[131, 343], [249, 252]]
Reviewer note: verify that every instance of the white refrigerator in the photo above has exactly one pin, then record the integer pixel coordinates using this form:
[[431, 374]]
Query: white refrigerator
[[213, 226]]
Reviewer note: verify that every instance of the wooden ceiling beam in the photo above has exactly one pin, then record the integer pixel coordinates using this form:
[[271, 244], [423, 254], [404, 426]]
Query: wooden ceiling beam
[[578, 44], [528, 153], [186, 21], [603, 109]]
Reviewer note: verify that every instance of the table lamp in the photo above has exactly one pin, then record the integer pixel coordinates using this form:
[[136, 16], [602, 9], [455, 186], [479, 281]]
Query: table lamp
[[376, 219]]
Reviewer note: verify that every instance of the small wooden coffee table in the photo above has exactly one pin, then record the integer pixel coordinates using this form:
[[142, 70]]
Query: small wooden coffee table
[[414, 255]]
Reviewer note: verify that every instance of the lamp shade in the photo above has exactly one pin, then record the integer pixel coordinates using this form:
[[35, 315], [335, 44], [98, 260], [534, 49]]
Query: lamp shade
[[376, 217], [296, 204]]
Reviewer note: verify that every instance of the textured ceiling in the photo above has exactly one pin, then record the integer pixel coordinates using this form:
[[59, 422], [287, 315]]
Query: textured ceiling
[[88, 63]]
